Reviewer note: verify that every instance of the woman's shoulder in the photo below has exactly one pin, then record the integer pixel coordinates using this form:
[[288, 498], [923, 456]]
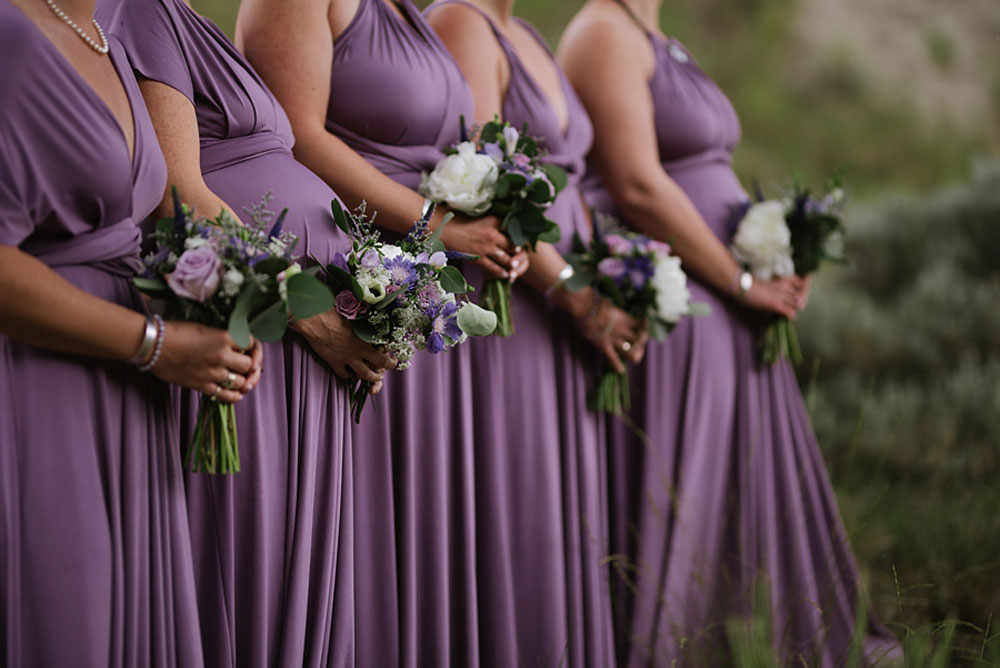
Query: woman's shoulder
[[603, 33]]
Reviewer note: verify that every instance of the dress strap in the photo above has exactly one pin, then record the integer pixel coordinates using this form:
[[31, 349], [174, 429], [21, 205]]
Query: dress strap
[[634, 17]]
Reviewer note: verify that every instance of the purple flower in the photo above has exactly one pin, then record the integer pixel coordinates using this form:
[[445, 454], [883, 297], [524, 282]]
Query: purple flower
[[444, 324], [428, 296], [348, 305], [493, 150], [613, 267], [197, 274], [370, 259], [658, 247], [617, 244], [520, 161], [402, 271], [340, 261]]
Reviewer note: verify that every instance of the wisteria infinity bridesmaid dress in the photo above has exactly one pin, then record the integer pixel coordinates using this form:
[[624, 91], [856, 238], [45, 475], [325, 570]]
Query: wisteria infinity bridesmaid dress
[[730, 495], [272, 544], [95, 565], [396, 97], [540, 471]]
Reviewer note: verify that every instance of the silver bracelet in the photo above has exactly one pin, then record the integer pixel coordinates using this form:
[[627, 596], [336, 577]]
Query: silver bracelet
[[158, 348], [746, 282], [565, 274], [428, 204], [146, 345]]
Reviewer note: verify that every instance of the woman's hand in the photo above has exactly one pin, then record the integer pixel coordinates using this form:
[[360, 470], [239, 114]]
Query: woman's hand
[[616, 334], [784, 296], [207, 360], [482, 236], [332, 338]]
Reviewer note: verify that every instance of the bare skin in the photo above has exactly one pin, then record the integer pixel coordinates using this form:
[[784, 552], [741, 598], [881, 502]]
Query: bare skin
[[290, 43], [610, 61], [176, 124], [471, 41], [39, 307]]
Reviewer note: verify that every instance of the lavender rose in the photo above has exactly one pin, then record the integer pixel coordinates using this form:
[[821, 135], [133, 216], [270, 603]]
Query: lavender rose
[[196, 275], [347, 304], [613, 267]]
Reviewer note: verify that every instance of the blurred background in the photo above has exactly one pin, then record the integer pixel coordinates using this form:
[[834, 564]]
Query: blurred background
[[902, 375]]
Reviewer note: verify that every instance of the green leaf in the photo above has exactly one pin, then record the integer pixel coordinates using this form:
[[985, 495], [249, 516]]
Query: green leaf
[[339, 217], [270, 324], [578, 281], [474, 320], [339, 280], [453, 281], [388, 299], [539, 192], [435, 239], [239, 325], [512, 226], [552, 234], [151, 286], [557, 175], [490, 132], [165, 226], [364, 331], [307, 296], [271, 266]]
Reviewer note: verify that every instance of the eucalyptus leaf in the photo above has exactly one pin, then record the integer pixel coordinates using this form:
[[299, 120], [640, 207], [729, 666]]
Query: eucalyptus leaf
[[270, 324], [474, 320], [453, 281], [151, 286], [363, 331], [271, 266], [307, 296], [239, 325], [557, 175], [699, 308]]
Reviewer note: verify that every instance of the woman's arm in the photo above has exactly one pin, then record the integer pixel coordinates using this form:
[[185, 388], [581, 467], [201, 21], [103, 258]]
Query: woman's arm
[[41, 308], [176, 125], [609, 61], [290, 43]]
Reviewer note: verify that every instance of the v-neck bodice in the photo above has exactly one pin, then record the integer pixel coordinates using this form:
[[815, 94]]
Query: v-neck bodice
[[71, 193]]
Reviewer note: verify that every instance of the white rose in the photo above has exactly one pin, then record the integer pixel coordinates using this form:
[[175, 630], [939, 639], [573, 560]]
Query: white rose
[[466, 181], [763, 241], [672, 295], [232, 281]]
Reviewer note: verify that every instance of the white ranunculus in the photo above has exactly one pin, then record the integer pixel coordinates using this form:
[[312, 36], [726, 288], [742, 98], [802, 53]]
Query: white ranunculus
[[466, 181], [390, 251], [763, 241], [673, 299]]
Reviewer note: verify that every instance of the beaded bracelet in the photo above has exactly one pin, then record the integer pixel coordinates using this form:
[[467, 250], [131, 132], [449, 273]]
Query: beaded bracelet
[[565, 274], [594, 308], [158, 348]]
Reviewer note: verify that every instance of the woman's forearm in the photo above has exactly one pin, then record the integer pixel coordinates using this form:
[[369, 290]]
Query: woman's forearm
[[39, 307]]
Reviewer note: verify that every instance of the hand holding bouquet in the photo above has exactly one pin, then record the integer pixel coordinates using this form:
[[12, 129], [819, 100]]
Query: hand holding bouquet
[[787, 237], [640, 277], [401, 297], [227, 275], [500, 174]]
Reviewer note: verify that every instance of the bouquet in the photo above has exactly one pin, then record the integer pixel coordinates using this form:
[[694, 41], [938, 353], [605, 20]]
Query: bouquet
[[787, 237], [224, 274], [401, 297], [500, 174], [639, 276]]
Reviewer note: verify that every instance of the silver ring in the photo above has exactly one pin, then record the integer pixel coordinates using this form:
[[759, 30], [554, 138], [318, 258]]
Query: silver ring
[[215, 395], [626, 346], [230, 379]]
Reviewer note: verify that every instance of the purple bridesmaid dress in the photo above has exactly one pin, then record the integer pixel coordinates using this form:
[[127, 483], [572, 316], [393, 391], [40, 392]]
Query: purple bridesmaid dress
[[272, 544], [540, 468], [396, 96], [730, 495], [95, 558]]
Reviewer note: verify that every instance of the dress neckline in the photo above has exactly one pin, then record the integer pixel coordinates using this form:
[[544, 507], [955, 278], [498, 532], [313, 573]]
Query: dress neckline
[[115, 55]]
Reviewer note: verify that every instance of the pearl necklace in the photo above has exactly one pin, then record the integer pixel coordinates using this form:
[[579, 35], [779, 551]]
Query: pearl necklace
[[101, 48]]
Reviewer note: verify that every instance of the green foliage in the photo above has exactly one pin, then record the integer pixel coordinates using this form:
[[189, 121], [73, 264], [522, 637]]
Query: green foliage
[[903, 378]]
